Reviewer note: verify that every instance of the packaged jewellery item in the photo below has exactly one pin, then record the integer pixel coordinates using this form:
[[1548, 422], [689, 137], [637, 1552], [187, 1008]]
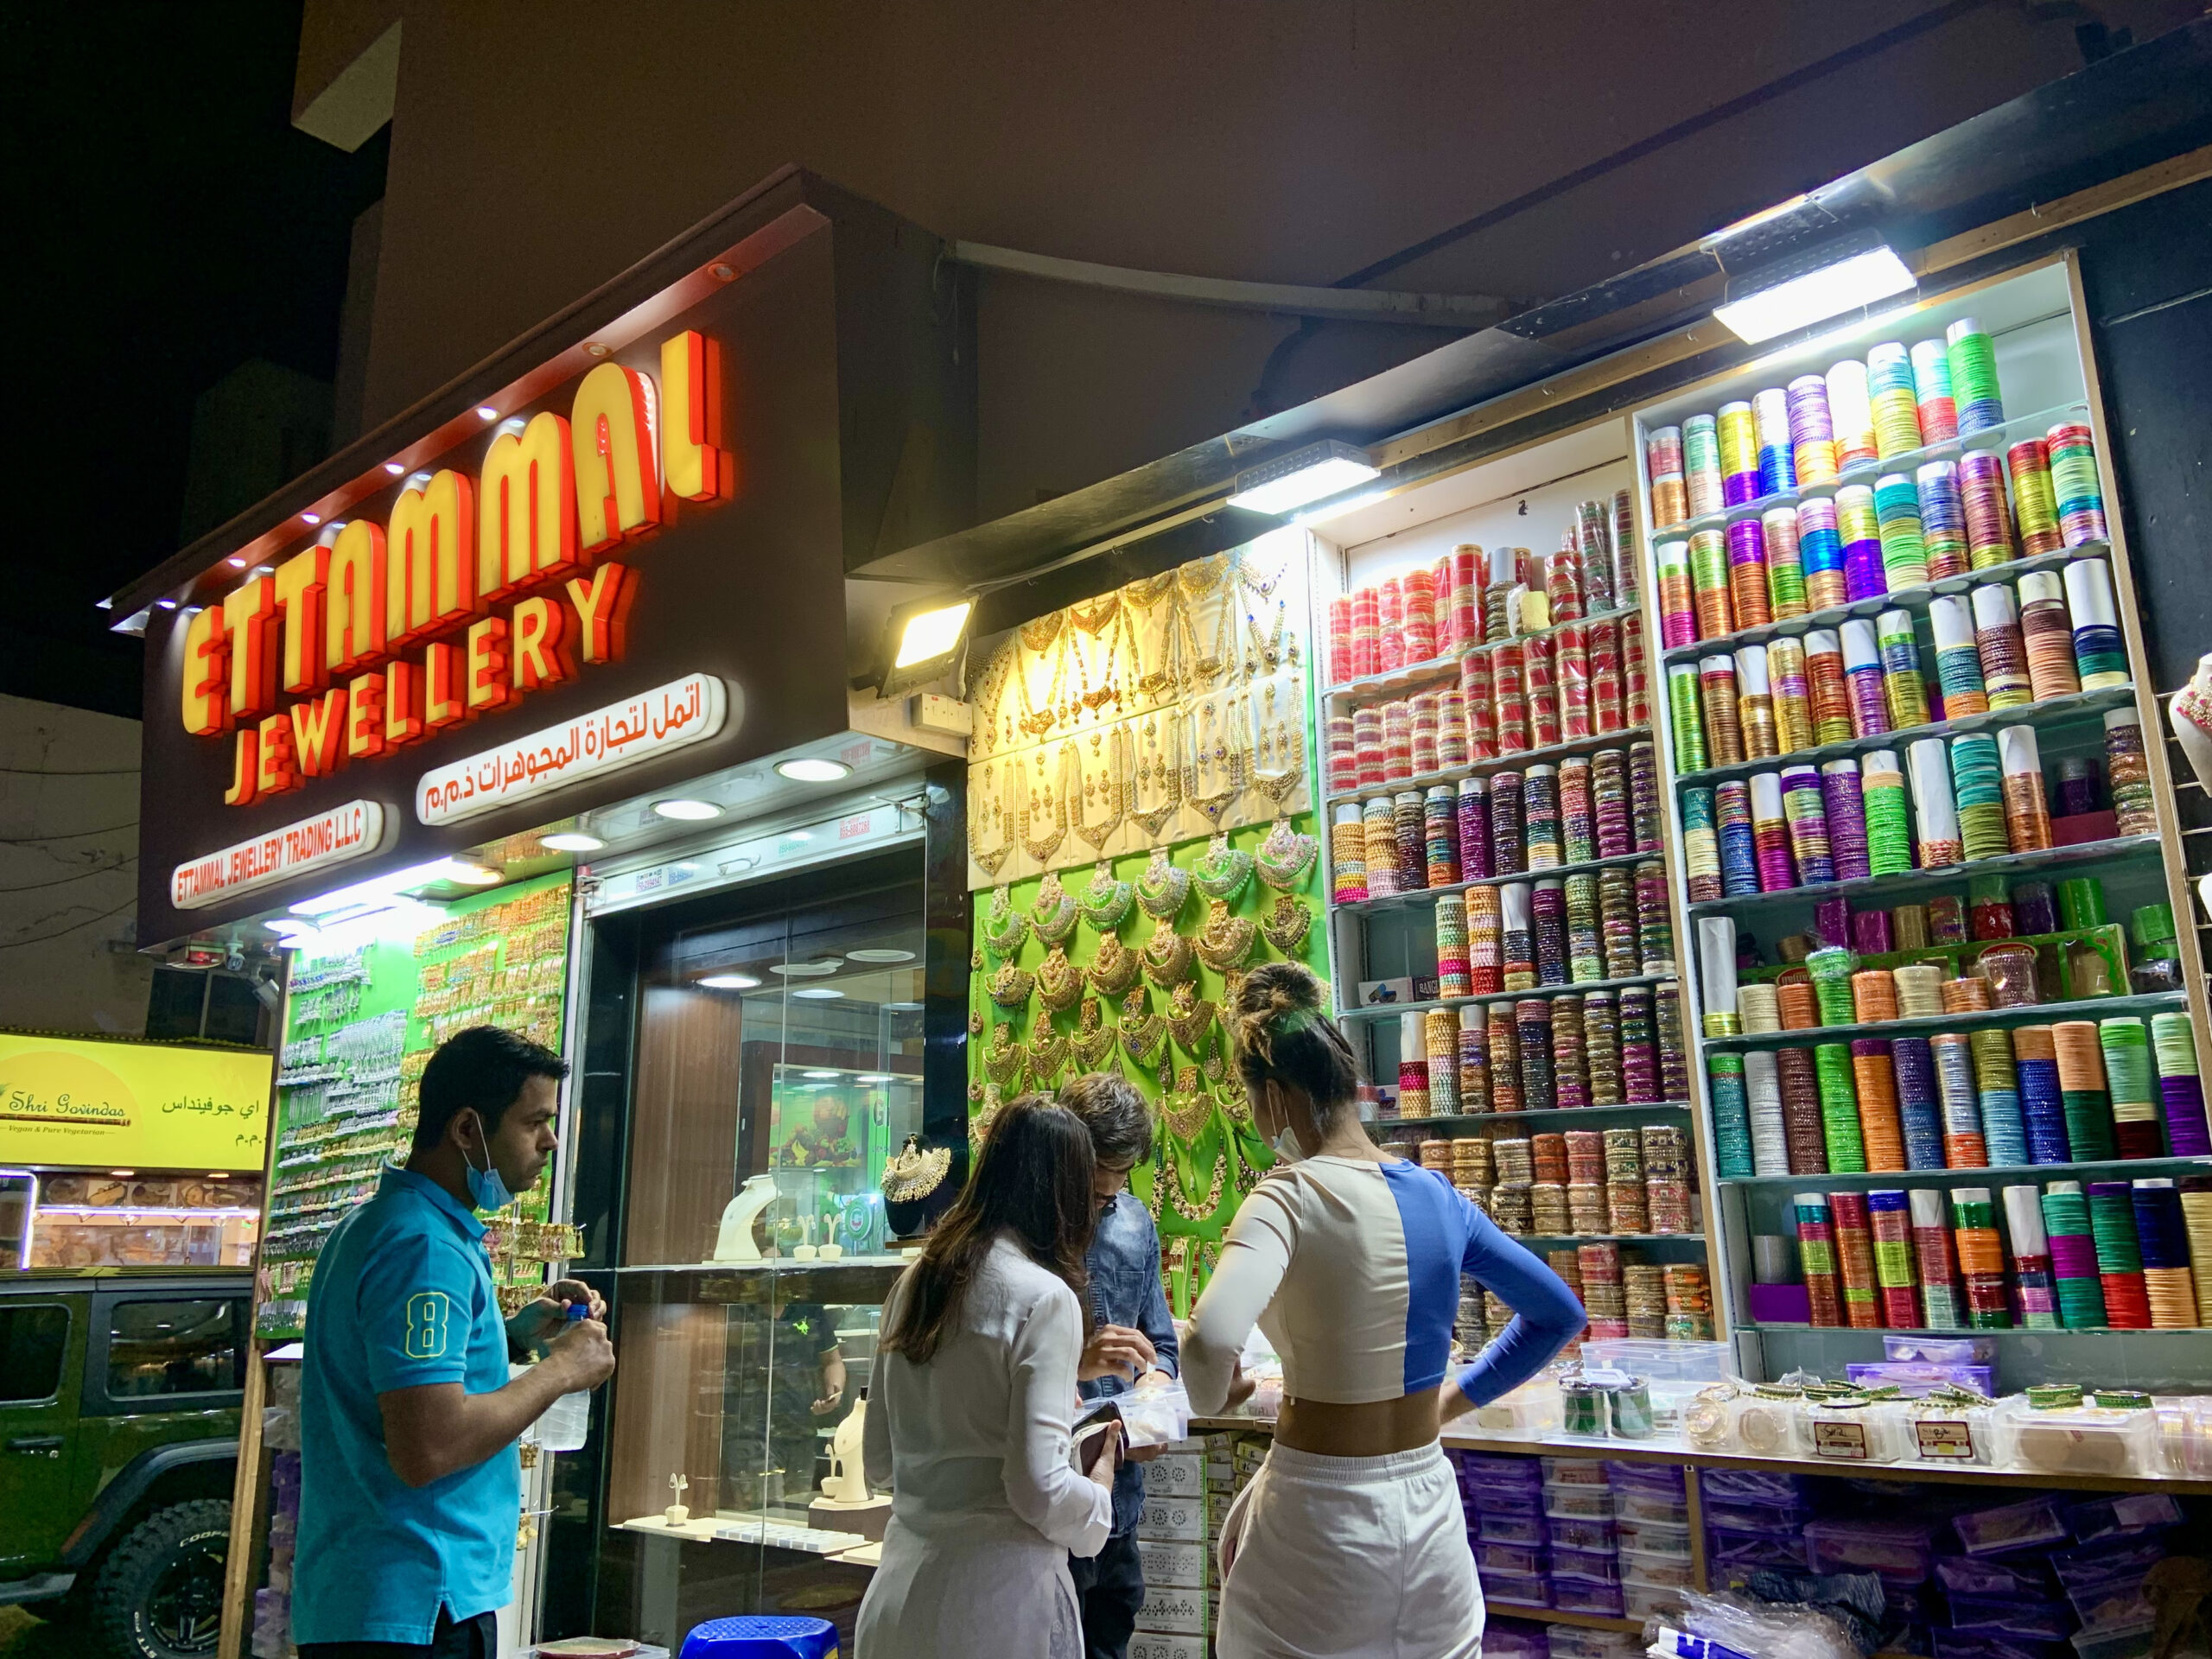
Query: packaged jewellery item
[[2003, 651], [1942, 519], [1820, 548], [1828, 694], [2035, 503], [2100, 652], [2047, 636], [2127, 770], [1958, 658], [1974, 393], [1862, 670]]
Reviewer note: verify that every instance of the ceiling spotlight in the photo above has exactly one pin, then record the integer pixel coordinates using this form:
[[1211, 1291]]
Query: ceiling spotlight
[[811, 769], [570, 840], [814, 970], [471, 875], [395, 467], [264, 569], [818, 993], [311, 519], [904, 1007], [687, 810], [1303, 475], [730, 982], [166, 604], [875, 1076], [487, 412], [1785, 297], [874, 953], [236, 561], [816, 1075]]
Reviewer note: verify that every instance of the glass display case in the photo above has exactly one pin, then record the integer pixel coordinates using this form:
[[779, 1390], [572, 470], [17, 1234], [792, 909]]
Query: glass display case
[[753, 1060]]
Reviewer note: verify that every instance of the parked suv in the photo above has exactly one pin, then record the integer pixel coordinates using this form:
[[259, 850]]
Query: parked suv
[[120, 1399]]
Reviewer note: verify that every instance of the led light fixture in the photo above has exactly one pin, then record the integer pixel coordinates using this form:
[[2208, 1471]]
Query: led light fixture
[[879, 953], [687, 811], [819, 993], [923, 641], [1288, 482], [1780, 300], [570, 840], [817, 1075], [730, 982], [812, 769]]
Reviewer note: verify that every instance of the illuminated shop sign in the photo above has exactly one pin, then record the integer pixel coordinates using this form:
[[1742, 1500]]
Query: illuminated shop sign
[[668, 717], [475, 593], [353, 830], [80, 1100]]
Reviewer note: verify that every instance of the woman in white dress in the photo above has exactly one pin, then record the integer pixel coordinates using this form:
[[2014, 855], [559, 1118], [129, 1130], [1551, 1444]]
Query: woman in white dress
[[973, 1402]]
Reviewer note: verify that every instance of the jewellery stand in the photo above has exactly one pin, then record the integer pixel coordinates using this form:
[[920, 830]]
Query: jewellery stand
[[844, 1505], [733, 1240]]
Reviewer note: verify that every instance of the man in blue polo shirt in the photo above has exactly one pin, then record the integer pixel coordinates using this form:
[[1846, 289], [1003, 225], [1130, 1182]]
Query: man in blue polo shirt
[[410, 1479]]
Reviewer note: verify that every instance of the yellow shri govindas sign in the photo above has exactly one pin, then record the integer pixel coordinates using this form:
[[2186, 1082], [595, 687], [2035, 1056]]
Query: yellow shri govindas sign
[[475, 593], [140, 1106]]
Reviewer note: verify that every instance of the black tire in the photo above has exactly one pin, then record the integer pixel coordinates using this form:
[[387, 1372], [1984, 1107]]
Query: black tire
[[159, 1594]]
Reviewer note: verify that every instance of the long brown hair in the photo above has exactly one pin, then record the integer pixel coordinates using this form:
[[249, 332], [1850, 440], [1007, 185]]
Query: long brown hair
[[1032, 1180]]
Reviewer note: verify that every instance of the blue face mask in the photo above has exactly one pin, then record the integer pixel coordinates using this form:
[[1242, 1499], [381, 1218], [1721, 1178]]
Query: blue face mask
[[488, 1190]]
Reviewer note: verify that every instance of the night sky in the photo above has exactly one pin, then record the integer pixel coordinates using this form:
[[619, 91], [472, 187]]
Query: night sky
[[166, 223]]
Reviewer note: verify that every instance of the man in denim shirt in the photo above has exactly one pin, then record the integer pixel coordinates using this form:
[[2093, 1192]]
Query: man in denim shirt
[[1132, 1334]]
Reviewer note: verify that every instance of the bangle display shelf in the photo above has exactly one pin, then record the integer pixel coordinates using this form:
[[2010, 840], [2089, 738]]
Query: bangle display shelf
[[1399, 995], [2036, 322]]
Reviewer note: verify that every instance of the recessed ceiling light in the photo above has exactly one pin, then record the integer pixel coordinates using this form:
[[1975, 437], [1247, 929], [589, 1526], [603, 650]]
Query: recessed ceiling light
[[264, 569], [875, 1076], [821, 1074], [874, 953], [812, 769], [814, 970], [311, 519], [166, 604], [904, 1007], [395, 467], [687, 810], [488, 412], [730, 982], [236, 561], [818, 993], [570, 840], [471, 875]]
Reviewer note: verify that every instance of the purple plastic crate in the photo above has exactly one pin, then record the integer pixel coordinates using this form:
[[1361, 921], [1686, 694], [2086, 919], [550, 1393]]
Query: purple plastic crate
[[2026, 1620], [1965, 1575], [1903, 1551], [2127, 1515]]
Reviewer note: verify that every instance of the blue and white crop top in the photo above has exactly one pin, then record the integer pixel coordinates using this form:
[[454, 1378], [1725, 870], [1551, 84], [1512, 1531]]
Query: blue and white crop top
[[1352, 1270]]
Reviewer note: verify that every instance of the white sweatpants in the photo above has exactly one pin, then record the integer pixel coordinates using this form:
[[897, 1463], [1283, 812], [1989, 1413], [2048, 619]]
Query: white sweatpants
[[1350, 1558]]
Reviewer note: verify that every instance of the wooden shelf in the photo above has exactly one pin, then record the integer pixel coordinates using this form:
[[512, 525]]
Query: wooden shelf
[[1560, 1616]]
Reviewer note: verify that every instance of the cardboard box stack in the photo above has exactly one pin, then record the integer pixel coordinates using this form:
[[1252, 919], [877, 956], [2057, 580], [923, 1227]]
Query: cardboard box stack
[[1188, 1489]]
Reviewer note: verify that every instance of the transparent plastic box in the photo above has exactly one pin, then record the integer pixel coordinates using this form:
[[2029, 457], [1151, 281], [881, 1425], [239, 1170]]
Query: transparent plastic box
[[1573, 1472], [1510, 1558], [2010, 1526], [1665, 1538], [1862, 1432], [1903, 1551], [1676, 1365], [2027, 1621], [2084, 1440], [2131, 1641], [1641, 1600], [1496, 1528], [1674, 1571], [2121, 1517], [1581, 1596], [1520, 1589], [1581, 1532], [1588, 1566], [1644, 1506], [1589, 1502]]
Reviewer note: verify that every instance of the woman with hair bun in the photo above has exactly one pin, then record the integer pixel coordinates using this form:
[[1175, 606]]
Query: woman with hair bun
[[1351, 1540]]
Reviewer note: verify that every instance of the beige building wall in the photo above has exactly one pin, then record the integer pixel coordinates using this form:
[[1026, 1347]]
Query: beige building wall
[[69, 871], [540, 146]]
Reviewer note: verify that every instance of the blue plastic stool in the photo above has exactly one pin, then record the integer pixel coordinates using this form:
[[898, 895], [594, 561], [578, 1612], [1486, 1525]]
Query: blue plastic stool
[[766, 1636]]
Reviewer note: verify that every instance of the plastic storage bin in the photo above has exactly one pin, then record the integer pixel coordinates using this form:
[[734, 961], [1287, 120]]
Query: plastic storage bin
[[1588, 1566], [2010, 1526], [1579, 1532], [1573, 1472], [1494, 1527], [1903, 1551], [1675, 1571], [2085, 1440], [2129, 1641], [1591, 1503], [2026, 1621], [1645, 1506], [1654, 1537], [1937, 1432], [1522, 1559], [1582, 1595], [1964, 1575], [1852, 1433], [1517, 1589], [2123, 1517], [1641, 1600]]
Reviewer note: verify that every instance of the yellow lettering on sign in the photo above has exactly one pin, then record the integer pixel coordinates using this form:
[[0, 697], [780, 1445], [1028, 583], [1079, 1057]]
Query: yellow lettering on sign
[[207, 680], [353, 598], [250, 618], [486, 674], [403, 704], [246, 767], [696, 468], [602, 604], [319, 733], [527, 508], [617, 465], [300, 583], [445, 701], [541, 657], [278, 768], [430, 559], [364, 716]]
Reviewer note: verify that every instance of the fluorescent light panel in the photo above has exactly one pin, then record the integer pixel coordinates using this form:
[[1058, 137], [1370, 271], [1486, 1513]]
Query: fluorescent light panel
[[1802, 300], [1302, 476]]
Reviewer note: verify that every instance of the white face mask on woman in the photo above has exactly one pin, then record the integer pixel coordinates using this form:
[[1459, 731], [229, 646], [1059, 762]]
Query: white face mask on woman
[[1287, 1148]]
